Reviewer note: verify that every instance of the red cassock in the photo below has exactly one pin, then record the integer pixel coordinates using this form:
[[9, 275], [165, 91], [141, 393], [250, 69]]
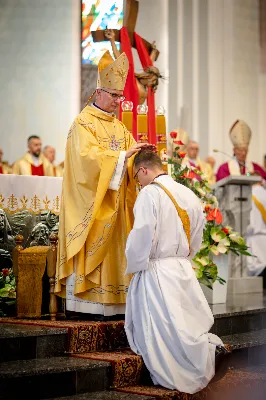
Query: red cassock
[[37, 171], [223, 171]]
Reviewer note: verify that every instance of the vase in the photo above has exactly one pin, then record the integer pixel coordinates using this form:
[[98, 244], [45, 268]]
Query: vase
[[218, 293]]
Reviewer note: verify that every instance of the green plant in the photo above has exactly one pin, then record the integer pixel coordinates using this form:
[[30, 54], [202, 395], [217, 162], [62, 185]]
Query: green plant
[[7, 290]]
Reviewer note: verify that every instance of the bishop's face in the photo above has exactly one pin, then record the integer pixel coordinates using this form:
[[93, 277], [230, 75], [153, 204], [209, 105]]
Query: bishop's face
[[241, 153], [109, 100]]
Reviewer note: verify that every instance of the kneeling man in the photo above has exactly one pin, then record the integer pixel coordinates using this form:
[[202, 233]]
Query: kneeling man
[[167, 316]]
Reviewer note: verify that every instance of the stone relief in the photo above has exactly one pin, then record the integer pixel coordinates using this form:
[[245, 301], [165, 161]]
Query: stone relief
[[35, 228]]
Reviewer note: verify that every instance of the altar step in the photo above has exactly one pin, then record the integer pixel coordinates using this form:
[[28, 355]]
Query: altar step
[[48, 339], [110, 395], [123, 371], [44, 359], [24, 342], [52, 377]]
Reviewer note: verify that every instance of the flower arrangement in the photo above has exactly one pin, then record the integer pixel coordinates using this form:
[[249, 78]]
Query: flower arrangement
[[217, 239], [7, 290]]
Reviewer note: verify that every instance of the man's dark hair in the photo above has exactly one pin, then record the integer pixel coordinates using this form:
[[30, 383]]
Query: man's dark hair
[[33, 137], [148, 159]]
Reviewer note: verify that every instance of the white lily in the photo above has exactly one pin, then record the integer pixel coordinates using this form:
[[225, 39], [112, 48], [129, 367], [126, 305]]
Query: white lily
[[217, 234], [214, 250], [222, 248], [201, 191], [235, 237], [203, 260]]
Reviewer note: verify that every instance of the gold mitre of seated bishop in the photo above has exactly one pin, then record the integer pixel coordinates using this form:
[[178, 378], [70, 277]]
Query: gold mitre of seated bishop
[[240, 134], [112, 74]]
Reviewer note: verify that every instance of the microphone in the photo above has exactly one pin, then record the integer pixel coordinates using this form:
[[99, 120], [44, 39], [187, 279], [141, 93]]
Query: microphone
[[243, 164], [222, 152]]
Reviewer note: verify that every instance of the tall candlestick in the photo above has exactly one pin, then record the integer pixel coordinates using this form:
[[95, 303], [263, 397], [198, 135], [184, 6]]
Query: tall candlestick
[[161, 141], [142, 123]]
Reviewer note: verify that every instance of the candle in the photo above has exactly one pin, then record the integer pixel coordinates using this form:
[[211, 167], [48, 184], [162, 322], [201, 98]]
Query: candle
[[127, 115], [127, 119]]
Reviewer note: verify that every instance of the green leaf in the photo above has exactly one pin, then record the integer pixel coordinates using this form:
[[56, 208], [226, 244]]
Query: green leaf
[[205, 281]]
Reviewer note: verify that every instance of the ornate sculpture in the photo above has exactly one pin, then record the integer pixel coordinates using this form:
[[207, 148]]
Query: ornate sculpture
[[149, 78], [40, 235], [52, 221], [6, 239]]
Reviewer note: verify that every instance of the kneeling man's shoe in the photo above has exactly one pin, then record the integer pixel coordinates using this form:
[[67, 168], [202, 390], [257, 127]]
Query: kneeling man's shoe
[[222, 360]]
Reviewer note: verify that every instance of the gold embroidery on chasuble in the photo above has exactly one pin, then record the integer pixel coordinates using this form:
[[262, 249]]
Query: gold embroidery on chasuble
[[107, 283]]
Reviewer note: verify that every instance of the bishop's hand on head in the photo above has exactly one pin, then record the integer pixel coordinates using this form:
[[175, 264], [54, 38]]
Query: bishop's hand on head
[[137, 147]]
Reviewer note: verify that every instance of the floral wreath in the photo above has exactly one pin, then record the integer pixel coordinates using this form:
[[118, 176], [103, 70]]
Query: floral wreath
[[217, 239]]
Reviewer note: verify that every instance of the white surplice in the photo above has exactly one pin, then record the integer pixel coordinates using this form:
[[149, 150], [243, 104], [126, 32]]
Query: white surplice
[[256, 234], [167, 316]]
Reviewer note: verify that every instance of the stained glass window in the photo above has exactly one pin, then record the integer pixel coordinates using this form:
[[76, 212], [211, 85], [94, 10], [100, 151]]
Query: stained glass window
[[97, 15]]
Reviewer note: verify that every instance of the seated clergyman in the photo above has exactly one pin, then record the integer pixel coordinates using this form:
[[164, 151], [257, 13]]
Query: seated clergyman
[[167, 316]]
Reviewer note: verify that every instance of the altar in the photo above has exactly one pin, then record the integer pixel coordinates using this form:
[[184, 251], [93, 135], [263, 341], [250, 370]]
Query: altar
[[29, 206]]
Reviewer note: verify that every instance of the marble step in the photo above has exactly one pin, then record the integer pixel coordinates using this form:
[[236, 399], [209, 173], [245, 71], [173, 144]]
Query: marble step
[[107, 395], [235, 321], [23, 342], [52, 377], [249, 348]]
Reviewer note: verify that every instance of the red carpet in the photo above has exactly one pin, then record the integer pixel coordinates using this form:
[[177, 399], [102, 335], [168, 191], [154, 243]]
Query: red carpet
[[84, 336], [126, 366]]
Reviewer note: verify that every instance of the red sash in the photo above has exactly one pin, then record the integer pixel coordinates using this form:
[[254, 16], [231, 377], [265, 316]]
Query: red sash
[[146, 62], [1, 169], [131, 89]]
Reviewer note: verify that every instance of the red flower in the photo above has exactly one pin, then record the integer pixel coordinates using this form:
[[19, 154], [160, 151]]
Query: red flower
[[189, 175], [225, 230], [207, 208], [182, 154], [173, 135], [5, 272], [179, 142], [215, 215]]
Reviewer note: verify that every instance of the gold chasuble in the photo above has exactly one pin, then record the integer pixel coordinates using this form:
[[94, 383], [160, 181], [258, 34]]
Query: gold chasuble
[[97, 200], [95, 220]]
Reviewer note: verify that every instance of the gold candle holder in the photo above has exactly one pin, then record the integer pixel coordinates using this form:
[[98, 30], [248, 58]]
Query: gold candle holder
[[127, 115], [142, 123], [161, 141]]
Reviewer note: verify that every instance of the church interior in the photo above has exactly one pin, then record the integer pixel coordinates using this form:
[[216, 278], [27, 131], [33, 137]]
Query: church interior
[[194, 90]]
